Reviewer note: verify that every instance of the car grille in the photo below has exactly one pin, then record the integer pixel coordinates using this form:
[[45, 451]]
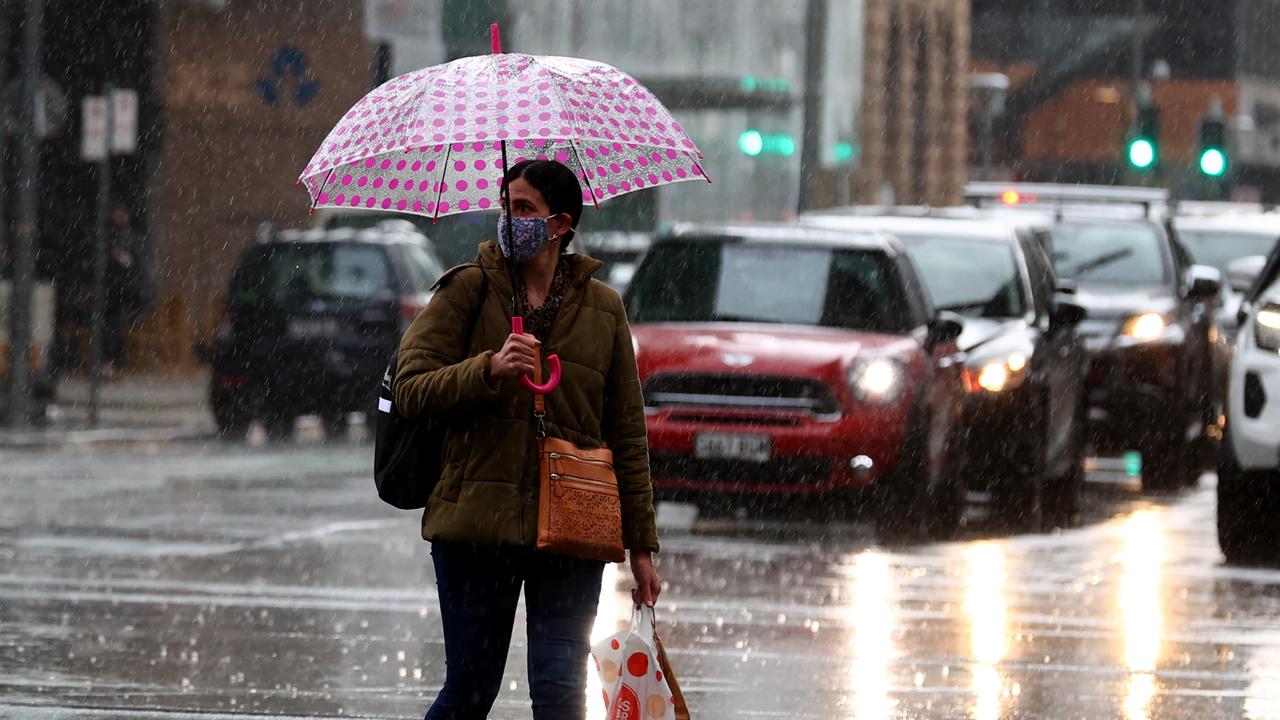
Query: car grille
[[798, 470], [1097, 328], [740, 392]]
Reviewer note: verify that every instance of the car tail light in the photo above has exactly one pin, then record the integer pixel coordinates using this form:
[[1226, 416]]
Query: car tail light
[[411, 306], [231, 382]]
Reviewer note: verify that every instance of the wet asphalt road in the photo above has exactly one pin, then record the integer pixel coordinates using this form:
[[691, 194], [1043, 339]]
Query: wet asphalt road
[[209, 580]]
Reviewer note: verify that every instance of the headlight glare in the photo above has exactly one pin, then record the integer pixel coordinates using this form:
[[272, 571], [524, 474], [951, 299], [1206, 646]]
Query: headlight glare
[[1145, 327], [997, 375], [1266, 327], [879, 380], [993, 377]]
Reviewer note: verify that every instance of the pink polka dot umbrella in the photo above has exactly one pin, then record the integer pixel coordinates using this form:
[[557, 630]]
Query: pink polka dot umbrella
[[432, 142]]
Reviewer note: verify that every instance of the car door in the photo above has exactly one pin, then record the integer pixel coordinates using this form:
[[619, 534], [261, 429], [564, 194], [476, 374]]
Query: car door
[[1058, 356], [1197, 361], [943, 393]]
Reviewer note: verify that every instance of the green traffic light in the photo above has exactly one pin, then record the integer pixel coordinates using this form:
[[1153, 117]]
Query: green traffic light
[[751, 143], [1142, 153], [784, 145], [1213, 162], [749, 83]]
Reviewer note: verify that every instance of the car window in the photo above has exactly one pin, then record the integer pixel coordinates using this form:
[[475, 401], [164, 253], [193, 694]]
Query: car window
[[423, 268], [968, 276], [290, 274], [1218, 248], [708, 281], [1112, 254]]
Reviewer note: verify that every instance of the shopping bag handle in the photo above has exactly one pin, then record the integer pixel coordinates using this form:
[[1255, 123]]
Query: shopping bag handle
[[644, 622], [517, 328]]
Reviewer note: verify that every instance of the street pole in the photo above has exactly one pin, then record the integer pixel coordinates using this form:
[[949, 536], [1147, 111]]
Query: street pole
[[811, 139], [28, 216], [100, 263]]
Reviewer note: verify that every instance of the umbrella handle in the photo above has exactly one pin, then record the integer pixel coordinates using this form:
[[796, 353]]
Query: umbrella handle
[[517, 327]]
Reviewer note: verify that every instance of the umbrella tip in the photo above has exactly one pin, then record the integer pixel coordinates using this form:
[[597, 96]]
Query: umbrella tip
[[495, 38]]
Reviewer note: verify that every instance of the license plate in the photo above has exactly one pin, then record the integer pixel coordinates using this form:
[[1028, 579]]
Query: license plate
[[313, 327], [717, 446]]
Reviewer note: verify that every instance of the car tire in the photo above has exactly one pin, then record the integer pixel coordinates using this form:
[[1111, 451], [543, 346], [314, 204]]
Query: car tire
[[1245, 511], [335, 424], [230, 417], [912, 507], [1018, 493], [231, 425], [1169, 464], [279, 427], [1062, 495]]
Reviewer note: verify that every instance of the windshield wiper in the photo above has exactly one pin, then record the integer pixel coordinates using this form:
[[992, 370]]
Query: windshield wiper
[[964, 308], [1100, 261]]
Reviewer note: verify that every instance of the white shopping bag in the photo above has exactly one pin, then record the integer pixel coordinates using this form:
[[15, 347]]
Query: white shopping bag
[[634, 685]]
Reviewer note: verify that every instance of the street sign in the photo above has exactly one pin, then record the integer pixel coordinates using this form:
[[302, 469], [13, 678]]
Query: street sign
[[51, 108], [93, 135], [124, 122]]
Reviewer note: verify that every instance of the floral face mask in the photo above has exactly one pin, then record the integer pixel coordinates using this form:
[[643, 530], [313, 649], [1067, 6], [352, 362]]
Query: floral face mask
[[530, 234]]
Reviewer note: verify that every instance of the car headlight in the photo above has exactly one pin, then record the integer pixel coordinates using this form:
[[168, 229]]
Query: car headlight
[[878, 380], [1145, 327], [998, 375], [1266, 327]]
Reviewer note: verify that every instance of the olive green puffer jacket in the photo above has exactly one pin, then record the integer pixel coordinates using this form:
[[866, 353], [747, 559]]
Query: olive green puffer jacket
[[488, 491]]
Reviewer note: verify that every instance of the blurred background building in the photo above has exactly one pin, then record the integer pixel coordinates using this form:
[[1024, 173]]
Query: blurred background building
[[1074, 65], [235, 95]]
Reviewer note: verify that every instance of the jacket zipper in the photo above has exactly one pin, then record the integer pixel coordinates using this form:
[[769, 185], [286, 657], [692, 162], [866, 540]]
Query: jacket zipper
[[575, 458], [583, 483]]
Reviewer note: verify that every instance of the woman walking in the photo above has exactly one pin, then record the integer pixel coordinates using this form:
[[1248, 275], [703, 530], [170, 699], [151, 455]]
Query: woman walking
[[459, 363]]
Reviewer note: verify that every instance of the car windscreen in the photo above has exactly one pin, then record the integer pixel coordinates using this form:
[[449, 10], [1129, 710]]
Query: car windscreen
[[423, 267], [291, 274], [726, 281], [1109, 254], [968, 276], [1218, 248]]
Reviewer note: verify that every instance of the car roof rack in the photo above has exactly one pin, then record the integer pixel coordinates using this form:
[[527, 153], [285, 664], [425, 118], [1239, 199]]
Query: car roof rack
[[1062, 195]]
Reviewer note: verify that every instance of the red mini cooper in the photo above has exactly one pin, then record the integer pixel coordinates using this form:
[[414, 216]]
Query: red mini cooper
[[785, 361]]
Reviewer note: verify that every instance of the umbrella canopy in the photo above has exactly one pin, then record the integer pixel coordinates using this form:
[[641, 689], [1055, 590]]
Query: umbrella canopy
[[432, 142]]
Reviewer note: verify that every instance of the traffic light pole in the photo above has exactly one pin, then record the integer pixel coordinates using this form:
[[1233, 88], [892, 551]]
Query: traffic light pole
[[28, 217], [100, 264], [811, 139]]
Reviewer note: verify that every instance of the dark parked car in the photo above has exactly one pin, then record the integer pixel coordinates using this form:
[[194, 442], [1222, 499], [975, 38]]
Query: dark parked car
[[1150, 329], [311, 319], [1024, 413], [789, 363]]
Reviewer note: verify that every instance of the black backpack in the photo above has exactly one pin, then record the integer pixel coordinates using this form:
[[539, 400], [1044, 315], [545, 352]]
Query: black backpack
[[408, 455]]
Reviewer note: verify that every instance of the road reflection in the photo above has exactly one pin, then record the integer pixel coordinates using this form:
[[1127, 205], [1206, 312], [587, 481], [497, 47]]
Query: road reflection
[[1141, 612], [874, 619], [986, 607]]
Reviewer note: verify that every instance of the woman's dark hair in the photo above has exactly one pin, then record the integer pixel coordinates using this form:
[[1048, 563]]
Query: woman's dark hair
[[559, 188]]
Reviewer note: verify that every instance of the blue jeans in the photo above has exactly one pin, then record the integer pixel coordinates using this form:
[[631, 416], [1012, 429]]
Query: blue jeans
[[479, 589]]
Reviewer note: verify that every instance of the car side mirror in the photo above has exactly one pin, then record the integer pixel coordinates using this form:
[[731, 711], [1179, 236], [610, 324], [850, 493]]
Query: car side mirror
[[945, 328], [1066, 313], [1203, 282], [1243, 272], [1066, 286]]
